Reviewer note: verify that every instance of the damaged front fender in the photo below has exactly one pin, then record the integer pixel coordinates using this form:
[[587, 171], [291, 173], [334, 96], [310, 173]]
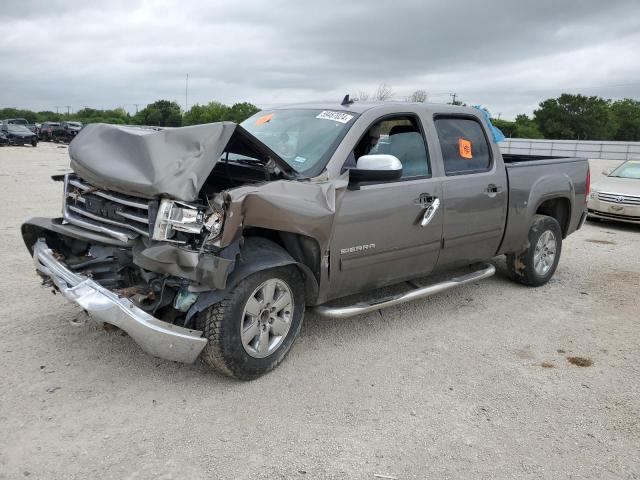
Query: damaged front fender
[[305, 208], [257, 254], [206, 269]]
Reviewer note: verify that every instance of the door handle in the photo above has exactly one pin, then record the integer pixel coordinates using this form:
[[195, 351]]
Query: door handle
[[430, 212], [424, 200], [492, 190]]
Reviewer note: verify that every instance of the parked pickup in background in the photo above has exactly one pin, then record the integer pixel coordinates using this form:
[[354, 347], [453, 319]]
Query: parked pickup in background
[[212, 240]]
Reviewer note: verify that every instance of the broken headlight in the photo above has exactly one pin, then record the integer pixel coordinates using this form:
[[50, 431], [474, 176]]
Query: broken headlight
[[174, 216]]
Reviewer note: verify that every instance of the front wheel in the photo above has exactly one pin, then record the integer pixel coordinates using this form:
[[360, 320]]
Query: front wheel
[[252, 329], [535, 265]]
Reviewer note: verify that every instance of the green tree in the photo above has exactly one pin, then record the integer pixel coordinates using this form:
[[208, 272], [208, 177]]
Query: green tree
[[28, 115], [526, 128], [91, 115], [522, 127], [239, 112], [48, 116], [161, 113], [507, 127], [627, 115], [576, 117], [209, 113]]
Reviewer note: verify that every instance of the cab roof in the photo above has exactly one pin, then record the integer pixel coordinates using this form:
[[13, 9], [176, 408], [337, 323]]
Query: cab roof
[[361, 107]]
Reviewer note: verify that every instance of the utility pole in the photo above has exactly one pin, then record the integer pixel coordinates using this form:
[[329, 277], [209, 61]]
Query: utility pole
[[57, 107], [136, 104], [453, 101], [68, 110], [186, 94]]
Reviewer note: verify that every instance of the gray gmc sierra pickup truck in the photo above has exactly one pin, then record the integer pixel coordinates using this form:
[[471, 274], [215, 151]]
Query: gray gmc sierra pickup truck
[[211, 240]]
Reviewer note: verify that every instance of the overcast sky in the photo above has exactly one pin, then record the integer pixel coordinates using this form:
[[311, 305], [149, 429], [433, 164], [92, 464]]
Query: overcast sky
[[507, 55]]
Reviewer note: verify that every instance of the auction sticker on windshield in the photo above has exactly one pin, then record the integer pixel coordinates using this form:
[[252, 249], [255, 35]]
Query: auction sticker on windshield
[[335, 116]]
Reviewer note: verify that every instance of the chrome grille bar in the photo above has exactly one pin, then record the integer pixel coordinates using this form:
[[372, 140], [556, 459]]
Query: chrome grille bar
[[109, 196], [98, 218], [79, 209], [135, 218], [619, 199]]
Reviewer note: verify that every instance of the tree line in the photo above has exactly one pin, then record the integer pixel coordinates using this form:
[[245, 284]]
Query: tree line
[[161, 113], [568, 117], [578, 117]]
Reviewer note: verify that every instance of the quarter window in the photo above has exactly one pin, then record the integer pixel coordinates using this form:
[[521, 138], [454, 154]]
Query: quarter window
[[464, 146]]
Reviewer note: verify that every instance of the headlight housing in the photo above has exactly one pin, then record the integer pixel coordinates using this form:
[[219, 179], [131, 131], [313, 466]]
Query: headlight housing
[[174, 216]]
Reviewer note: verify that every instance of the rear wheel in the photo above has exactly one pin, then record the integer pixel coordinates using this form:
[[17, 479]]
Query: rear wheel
[[252, 329], [536, 265]]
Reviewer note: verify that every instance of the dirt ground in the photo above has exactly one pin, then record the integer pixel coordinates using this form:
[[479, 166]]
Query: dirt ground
[[492, 380]]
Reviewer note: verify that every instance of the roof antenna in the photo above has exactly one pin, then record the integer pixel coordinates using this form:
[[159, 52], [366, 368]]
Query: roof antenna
[[346, 100]]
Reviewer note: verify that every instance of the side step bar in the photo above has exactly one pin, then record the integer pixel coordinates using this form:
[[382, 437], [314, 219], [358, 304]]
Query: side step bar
[[420, 292]]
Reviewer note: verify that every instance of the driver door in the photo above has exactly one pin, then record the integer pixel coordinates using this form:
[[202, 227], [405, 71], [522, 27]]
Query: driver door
[[379, 234]]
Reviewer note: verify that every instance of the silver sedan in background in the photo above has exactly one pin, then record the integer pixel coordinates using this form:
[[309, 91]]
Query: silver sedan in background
[[617, 197]]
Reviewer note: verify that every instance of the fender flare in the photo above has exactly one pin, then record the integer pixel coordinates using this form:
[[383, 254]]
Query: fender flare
[[256, 254]]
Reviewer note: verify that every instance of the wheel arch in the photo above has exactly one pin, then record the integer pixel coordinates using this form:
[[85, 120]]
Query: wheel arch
[[263, 249], [559, 208], [258, 253]]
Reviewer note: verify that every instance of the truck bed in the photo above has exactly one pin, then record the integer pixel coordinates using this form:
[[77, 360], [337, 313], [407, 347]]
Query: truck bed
[[514, 159], [534, 178]]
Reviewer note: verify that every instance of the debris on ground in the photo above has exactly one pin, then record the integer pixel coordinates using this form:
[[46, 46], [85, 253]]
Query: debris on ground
[[580, 361]]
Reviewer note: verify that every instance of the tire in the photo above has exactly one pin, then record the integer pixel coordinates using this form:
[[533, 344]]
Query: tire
[[228, 350], [34, 143], [535, 268]]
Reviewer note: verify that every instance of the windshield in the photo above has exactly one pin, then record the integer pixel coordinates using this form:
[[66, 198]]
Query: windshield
[[630, 169], [74, 124], [17, 129], [18, 121], [302, 138]]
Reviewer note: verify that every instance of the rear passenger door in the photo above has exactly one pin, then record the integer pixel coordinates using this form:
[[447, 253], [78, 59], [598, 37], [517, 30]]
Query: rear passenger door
[[474, 191]]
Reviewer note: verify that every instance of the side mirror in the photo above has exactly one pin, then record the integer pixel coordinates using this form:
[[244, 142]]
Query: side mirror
[[607, 171], [378, 167]]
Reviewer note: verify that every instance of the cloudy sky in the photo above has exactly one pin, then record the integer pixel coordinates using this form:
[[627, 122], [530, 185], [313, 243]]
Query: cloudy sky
[[505, 54]]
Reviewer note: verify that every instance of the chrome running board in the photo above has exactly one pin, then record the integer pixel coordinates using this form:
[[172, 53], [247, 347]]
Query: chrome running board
[[418, 293]]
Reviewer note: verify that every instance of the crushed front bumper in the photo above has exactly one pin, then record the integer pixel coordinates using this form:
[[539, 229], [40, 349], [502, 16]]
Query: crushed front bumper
[[154, 336]]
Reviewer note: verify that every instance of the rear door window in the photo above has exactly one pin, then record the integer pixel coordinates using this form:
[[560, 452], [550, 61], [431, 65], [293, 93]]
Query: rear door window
[[464, 145]]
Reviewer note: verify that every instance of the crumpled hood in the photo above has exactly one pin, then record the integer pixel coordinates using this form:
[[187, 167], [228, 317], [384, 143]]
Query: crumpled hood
[[137, 161]]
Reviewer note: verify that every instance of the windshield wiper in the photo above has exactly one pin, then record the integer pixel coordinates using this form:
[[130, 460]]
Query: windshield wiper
[[248, 161]]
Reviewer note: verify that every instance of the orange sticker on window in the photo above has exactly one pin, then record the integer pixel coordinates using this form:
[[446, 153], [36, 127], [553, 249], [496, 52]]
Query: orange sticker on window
[[465, 148], [264, 119]]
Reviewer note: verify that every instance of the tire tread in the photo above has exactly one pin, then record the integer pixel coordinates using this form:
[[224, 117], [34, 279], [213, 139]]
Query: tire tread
[[518, 264], [212, 322]]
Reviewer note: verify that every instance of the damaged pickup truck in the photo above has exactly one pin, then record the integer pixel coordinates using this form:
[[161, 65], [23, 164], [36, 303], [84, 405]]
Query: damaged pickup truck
[[212, 240]]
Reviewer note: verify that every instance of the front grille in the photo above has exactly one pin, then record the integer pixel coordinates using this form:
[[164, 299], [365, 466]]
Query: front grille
[[620, 199], [615, 216], [120, 216]]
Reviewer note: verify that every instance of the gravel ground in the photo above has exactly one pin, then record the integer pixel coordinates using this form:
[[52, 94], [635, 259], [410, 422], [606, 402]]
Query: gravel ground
[[474, 383]]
